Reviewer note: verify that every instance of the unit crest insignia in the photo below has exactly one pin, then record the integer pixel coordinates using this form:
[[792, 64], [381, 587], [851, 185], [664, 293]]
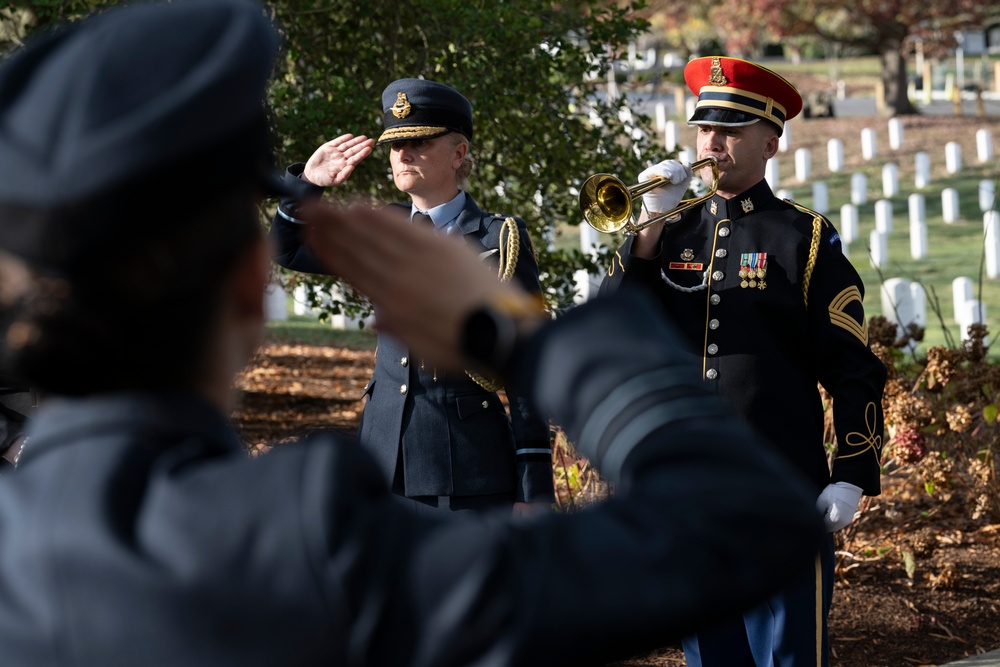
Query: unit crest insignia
[[716, 77], [687, 255], [401, 109]]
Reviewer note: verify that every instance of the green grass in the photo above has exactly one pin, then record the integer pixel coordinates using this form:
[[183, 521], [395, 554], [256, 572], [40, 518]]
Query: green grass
[[303, 330], [954, 249]]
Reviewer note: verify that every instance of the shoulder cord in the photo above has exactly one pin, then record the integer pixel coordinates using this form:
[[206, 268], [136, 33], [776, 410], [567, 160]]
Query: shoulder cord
[[508, 253], [813, 253]]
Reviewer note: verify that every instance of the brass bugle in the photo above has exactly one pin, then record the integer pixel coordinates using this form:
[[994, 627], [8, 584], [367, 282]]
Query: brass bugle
[[607, 203]]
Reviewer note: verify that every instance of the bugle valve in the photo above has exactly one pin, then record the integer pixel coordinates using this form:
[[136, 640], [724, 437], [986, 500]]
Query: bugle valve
[[607, 203]]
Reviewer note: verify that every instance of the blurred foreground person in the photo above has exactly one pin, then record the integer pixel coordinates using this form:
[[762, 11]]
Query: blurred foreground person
[[136, 531]]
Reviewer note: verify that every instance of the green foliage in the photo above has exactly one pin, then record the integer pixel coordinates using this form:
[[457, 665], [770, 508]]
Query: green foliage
[[531, 70], [540, 129]]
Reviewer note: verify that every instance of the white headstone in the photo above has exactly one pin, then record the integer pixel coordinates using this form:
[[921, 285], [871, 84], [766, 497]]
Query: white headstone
[[973, 312], [835, 154], [587, 285], [784, 194], [590, 240], [859, 189], [989, 217], [687, 155], [771, 173], [992, 245], [987, 195], [785, 140], [953, 157], [922, 169], [895, 133], [879, 248], [918, 237], [821, 197], [898, 306], [670, 135], [919, 299], [689, 106], [917, 207], [300, 299], [868, 146], [661, 115], [961, 292], [984, 145], [849, 223], [949, 204], [883, 216], [343, 320], [890, 180], [803, 164], [275, 303]]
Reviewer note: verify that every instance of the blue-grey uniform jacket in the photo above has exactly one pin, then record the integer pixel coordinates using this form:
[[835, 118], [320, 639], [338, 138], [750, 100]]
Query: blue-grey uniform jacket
[[455, 437], [136, 532]]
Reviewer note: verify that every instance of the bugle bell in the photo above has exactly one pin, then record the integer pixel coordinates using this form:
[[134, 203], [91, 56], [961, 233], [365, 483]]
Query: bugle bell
[[607, 203]]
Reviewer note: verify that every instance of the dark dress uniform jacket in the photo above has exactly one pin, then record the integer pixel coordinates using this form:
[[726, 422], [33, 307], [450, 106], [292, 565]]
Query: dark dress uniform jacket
[[136, 532], [454, 436], [764, 346]]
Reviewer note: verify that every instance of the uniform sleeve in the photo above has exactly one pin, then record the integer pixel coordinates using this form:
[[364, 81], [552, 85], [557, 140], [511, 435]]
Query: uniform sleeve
[[848, 369], [287, 229], [626, 268], [533, 453], [706, 522]]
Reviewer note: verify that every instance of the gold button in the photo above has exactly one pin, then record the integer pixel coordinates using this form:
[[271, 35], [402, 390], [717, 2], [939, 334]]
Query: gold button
[[402, 389], [711, 374]]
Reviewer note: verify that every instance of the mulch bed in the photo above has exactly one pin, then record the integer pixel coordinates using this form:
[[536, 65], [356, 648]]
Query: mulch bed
[[948, 609]]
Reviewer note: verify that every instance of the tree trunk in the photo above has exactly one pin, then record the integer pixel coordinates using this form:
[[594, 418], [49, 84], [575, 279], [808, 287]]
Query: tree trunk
[[895, 102]]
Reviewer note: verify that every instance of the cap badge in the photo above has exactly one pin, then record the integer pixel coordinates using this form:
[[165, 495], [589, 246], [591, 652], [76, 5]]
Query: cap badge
[[716, 77], [687, 255], [747, 205], [714, 207], [401, 109]]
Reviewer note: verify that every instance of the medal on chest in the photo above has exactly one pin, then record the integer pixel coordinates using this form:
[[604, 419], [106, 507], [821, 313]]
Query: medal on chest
[[753, 270]]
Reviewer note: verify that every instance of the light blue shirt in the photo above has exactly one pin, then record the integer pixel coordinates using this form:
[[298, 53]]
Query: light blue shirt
[[445, 215]]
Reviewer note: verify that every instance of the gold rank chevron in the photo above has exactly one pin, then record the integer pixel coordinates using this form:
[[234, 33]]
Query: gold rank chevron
[[845, 321]]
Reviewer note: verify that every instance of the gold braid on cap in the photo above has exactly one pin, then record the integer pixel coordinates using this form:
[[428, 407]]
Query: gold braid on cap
[[508, 254]]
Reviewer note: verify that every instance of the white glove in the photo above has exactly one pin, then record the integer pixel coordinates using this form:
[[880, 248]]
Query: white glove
[[838, 502], [666, 197]]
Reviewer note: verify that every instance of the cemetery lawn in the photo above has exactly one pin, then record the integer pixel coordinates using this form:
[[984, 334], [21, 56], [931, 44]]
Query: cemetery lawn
[[918, 583]]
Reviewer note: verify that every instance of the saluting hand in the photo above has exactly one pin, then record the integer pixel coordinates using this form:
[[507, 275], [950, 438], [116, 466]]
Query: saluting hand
[[333, 162]]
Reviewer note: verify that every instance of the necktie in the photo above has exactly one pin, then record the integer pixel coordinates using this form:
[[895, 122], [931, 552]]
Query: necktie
[[423, 220]]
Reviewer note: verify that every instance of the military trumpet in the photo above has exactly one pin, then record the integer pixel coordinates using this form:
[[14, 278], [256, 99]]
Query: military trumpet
[[607, 206]]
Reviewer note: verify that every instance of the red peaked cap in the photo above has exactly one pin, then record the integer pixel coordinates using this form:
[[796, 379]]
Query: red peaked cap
[[736, 92]]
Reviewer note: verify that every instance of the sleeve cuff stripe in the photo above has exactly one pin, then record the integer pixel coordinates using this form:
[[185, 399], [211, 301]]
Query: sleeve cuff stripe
[[652, 419], [619, 399], [290, 218]]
